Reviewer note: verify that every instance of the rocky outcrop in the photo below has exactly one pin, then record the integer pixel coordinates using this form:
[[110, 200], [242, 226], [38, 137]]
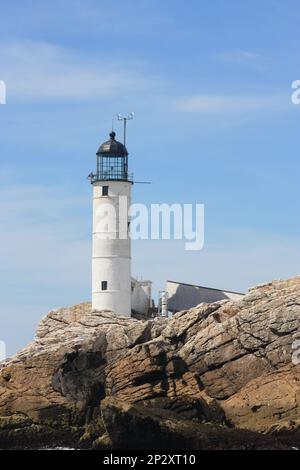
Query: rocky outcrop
[[138, 427], [228, 364]]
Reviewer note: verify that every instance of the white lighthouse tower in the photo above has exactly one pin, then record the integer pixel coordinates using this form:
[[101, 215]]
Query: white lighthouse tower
[[111, 265]]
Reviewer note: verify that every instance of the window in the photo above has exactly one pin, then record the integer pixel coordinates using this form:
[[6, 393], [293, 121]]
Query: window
[[104, 285], [104, 190], [113, 167]]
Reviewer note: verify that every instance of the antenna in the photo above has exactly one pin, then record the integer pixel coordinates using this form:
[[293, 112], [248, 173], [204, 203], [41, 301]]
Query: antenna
[[142, 182], [125, 119]]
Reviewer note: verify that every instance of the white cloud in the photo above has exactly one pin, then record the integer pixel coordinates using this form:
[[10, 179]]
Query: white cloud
[[242, 258], [36, 71], [242, 56], [43, 237], [45, 253], [43, 71], [214, 104]]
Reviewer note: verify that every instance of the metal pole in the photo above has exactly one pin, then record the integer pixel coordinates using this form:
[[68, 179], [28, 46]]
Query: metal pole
[[125, 121]]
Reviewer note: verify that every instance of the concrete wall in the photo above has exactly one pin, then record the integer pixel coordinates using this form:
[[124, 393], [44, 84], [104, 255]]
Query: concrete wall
[[185, 296], [111, 249], [141, 295]]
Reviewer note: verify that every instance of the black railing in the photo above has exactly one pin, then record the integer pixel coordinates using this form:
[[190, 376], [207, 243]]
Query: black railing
[[111, 176]]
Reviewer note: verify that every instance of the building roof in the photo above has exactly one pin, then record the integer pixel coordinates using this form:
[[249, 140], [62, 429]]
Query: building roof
[[112, 147], [204, 287]]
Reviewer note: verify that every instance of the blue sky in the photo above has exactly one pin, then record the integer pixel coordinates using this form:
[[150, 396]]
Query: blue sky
[[210, 85]]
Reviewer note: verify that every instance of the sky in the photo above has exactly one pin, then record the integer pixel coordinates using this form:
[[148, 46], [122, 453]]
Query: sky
[[210, 85]]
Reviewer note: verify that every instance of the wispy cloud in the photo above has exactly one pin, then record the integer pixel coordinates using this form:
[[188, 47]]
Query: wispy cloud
[[213, 104], [263, 257], [44, 236], [44, 71], [243, 57], [45, 257]]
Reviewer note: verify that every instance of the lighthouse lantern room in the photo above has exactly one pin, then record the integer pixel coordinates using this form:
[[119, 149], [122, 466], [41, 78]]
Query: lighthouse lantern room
[[112, 160]]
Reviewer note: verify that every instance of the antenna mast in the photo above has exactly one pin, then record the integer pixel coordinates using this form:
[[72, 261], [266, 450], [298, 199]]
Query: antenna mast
[[125, 119]]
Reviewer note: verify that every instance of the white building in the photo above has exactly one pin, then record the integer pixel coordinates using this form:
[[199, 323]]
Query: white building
[[111, 264], [112, 286], [183, 296]]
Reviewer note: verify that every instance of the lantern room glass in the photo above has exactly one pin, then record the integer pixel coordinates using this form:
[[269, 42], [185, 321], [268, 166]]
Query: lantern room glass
[[111, 167]]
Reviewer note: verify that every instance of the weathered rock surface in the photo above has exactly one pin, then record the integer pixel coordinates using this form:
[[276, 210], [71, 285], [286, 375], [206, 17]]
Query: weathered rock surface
[[227, 363], [137, 427]]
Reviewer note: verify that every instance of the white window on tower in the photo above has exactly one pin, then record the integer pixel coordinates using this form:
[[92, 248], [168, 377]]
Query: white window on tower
[[104, 285]]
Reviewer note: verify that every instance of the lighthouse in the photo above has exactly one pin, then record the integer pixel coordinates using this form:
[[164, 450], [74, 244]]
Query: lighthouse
[[111, 257]]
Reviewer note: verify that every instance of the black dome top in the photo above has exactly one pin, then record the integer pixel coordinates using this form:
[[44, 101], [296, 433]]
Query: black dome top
[[112, 147]]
